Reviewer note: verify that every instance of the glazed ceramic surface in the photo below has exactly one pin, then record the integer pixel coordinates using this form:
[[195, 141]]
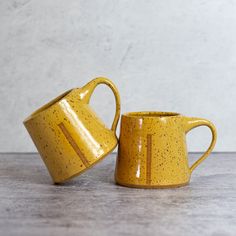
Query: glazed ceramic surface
[[152, 149], [68, 135]]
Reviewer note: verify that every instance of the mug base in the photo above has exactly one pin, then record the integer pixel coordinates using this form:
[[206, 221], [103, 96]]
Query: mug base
[[153, 186], [64, 180]]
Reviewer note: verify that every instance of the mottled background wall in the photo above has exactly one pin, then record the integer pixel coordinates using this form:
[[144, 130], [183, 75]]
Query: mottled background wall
[[177, 55]]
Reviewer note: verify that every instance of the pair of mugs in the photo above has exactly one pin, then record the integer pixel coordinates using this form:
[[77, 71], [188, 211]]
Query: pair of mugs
[[152, 149]]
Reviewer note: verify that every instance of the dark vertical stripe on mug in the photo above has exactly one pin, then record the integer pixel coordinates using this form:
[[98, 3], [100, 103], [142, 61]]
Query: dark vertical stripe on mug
[[73, 144], [149, 159]]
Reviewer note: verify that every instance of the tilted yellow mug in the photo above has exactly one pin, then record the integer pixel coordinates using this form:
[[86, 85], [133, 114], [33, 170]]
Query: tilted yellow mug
[[68, 135], [152, 149]]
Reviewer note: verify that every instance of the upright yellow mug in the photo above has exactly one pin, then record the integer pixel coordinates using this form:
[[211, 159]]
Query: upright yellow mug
[[152, 149], [68, 135]]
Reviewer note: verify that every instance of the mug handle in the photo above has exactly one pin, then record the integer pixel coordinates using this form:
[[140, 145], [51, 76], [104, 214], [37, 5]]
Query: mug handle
[[193, 122], [102, 80]]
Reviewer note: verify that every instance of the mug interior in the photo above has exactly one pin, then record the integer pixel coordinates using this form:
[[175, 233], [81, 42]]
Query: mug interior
[[48, 105], [151, 114]]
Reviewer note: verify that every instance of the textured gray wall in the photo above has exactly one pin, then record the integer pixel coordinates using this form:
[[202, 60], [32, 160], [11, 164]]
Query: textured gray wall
[[163, 55]]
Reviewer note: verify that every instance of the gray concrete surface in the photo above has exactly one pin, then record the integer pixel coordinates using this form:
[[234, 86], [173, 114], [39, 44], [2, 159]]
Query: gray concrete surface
[[93, 205], [175, 55]]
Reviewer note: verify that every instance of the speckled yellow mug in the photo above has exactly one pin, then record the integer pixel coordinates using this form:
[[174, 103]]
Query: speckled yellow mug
[[152, 149], [68, 135]]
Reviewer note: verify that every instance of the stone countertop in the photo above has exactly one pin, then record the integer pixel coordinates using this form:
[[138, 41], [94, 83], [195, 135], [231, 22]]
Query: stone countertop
[[92, 204]]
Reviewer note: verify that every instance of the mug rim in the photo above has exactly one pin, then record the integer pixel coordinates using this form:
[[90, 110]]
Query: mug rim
[[151, 114], [47, 105]]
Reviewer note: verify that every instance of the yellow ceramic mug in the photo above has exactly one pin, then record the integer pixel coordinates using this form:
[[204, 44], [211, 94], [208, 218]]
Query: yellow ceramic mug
[[152, 149], [68, 135]]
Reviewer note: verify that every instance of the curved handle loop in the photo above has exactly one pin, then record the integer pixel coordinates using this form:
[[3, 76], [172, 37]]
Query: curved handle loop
[[191, 123], [89, 88]]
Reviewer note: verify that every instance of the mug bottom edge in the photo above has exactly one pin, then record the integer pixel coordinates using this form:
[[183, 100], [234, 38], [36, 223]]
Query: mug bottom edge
[[152, 186]]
